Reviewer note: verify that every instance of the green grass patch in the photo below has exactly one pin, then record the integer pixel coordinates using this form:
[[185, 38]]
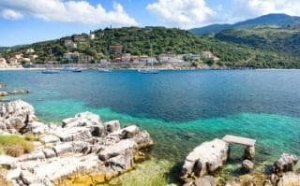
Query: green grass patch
[[14, 145]]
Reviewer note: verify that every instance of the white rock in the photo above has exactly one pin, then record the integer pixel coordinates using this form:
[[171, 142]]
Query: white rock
[[124, 147], [112, 126], [8, 161], [49, 153], [36, 155], [129, 132], [74, 134], [285, 163], [63, 148], [120, 163], [13, 174], [204, 159], [49, 139], [82, 119]]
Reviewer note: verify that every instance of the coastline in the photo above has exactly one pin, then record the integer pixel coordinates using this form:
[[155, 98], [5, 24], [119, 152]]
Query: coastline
[[159, 69]]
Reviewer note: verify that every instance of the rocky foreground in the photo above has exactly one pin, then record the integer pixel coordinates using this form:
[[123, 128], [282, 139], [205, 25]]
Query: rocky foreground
[[201, 164], [82, 145]]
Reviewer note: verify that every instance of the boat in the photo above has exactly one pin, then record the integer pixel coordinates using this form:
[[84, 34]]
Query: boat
[[77, 70], [149, 71], [105, 70], [50, 71]]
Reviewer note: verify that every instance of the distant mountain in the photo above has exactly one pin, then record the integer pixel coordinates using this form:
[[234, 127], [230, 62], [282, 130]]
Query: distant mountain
[[270, 20], [279, 40]]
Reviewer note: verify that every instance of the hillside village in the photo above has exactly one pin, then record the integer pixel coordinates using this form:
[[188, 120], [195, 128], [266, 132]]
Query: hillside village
[[29, 57], [135, 47], [108, 47]]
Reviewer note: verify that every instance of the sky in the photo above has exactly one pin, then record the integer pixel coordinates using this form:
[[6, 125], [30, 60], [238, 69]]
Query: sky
[[28, 21]]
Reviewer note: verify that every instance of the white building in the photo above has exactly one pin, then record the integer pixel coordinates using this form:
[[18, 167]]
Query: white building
[[30, 51]]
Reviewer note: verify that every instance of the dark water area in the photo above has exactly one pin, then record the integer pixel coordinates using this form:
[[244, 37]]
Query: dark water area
[[171, 95]]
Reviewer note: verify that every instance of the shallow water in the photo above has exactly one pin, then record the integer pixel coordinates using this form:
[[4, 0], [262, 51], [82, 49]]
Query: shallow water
[[180, 109]]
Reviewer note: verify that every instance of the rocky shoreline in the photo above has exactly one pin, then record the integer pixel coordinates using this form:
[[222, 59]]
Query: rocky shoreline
[[82, 145], [85, 150]]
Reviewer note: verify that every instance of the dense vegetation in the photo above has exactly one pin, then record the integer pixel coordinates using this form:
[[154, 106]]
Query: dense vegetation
[[138, 41], [270, 20], [278, 40]]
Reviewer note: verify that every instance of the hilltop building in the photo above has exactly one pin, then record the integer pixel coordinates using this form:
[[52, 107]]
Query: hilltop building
[[69, 44], [29, 51], [3, 62], [170, 58]]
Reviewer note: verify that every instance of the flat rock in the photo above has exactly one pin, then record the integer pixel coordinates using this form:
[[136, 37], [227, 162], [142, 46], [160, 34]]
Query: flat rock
[[73, 134], [7, 161], [124, 147], [81, 120], [49, 139], [205, 159]]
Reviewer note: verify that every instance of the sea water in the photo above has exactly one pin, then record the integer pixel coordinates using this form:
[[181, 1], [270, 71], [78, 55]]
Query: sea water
[[180, 109]]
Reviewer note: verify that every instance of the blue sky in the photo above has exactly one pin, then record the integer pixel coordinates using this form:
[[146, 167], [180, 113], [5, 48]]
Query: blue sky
[[27, 21]]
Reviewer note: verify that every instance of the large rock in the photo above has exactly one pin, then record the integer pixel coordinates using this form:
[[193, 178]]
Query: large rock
[[60, 167], [82, 119], [285, 163], [16, 115], [73, 134], [205, 159], [125, 147], [121, 162], [63, 148]]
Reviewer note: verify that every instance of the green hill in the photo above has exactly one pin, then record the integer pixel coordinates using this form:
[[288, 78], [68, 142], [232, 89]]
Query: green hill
[[138, 41], [280, 40]]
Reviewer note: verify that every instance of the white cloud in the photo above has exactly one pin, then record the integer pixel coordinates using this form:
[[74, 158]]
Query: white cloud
[[11, 14], [73, 11], [251, 8], [183, 13]]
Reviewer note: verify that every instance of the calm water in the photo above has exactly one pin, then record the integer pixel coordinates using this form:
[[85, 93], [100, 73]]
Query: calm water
[[180, 109]]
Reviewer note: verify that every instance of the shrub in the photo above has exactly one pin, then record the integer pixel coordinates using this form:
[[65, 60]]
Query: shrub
[[15, 145]]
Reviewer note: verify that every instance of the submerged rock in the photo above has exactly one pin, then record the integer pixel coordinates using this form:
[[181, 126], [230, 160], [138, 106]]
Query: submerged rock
[[19, 91], [248, 165], [285, 163], [3, 93], [205, 159]]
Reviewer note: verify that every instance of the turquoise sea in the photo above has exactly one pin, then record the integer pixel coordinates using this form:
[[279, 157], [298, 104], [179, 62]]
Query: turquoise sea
[[180, 109]]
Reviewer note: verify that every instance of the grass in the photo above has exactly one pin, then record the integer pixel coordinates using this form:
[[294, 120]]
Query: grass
[[15, 146]]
